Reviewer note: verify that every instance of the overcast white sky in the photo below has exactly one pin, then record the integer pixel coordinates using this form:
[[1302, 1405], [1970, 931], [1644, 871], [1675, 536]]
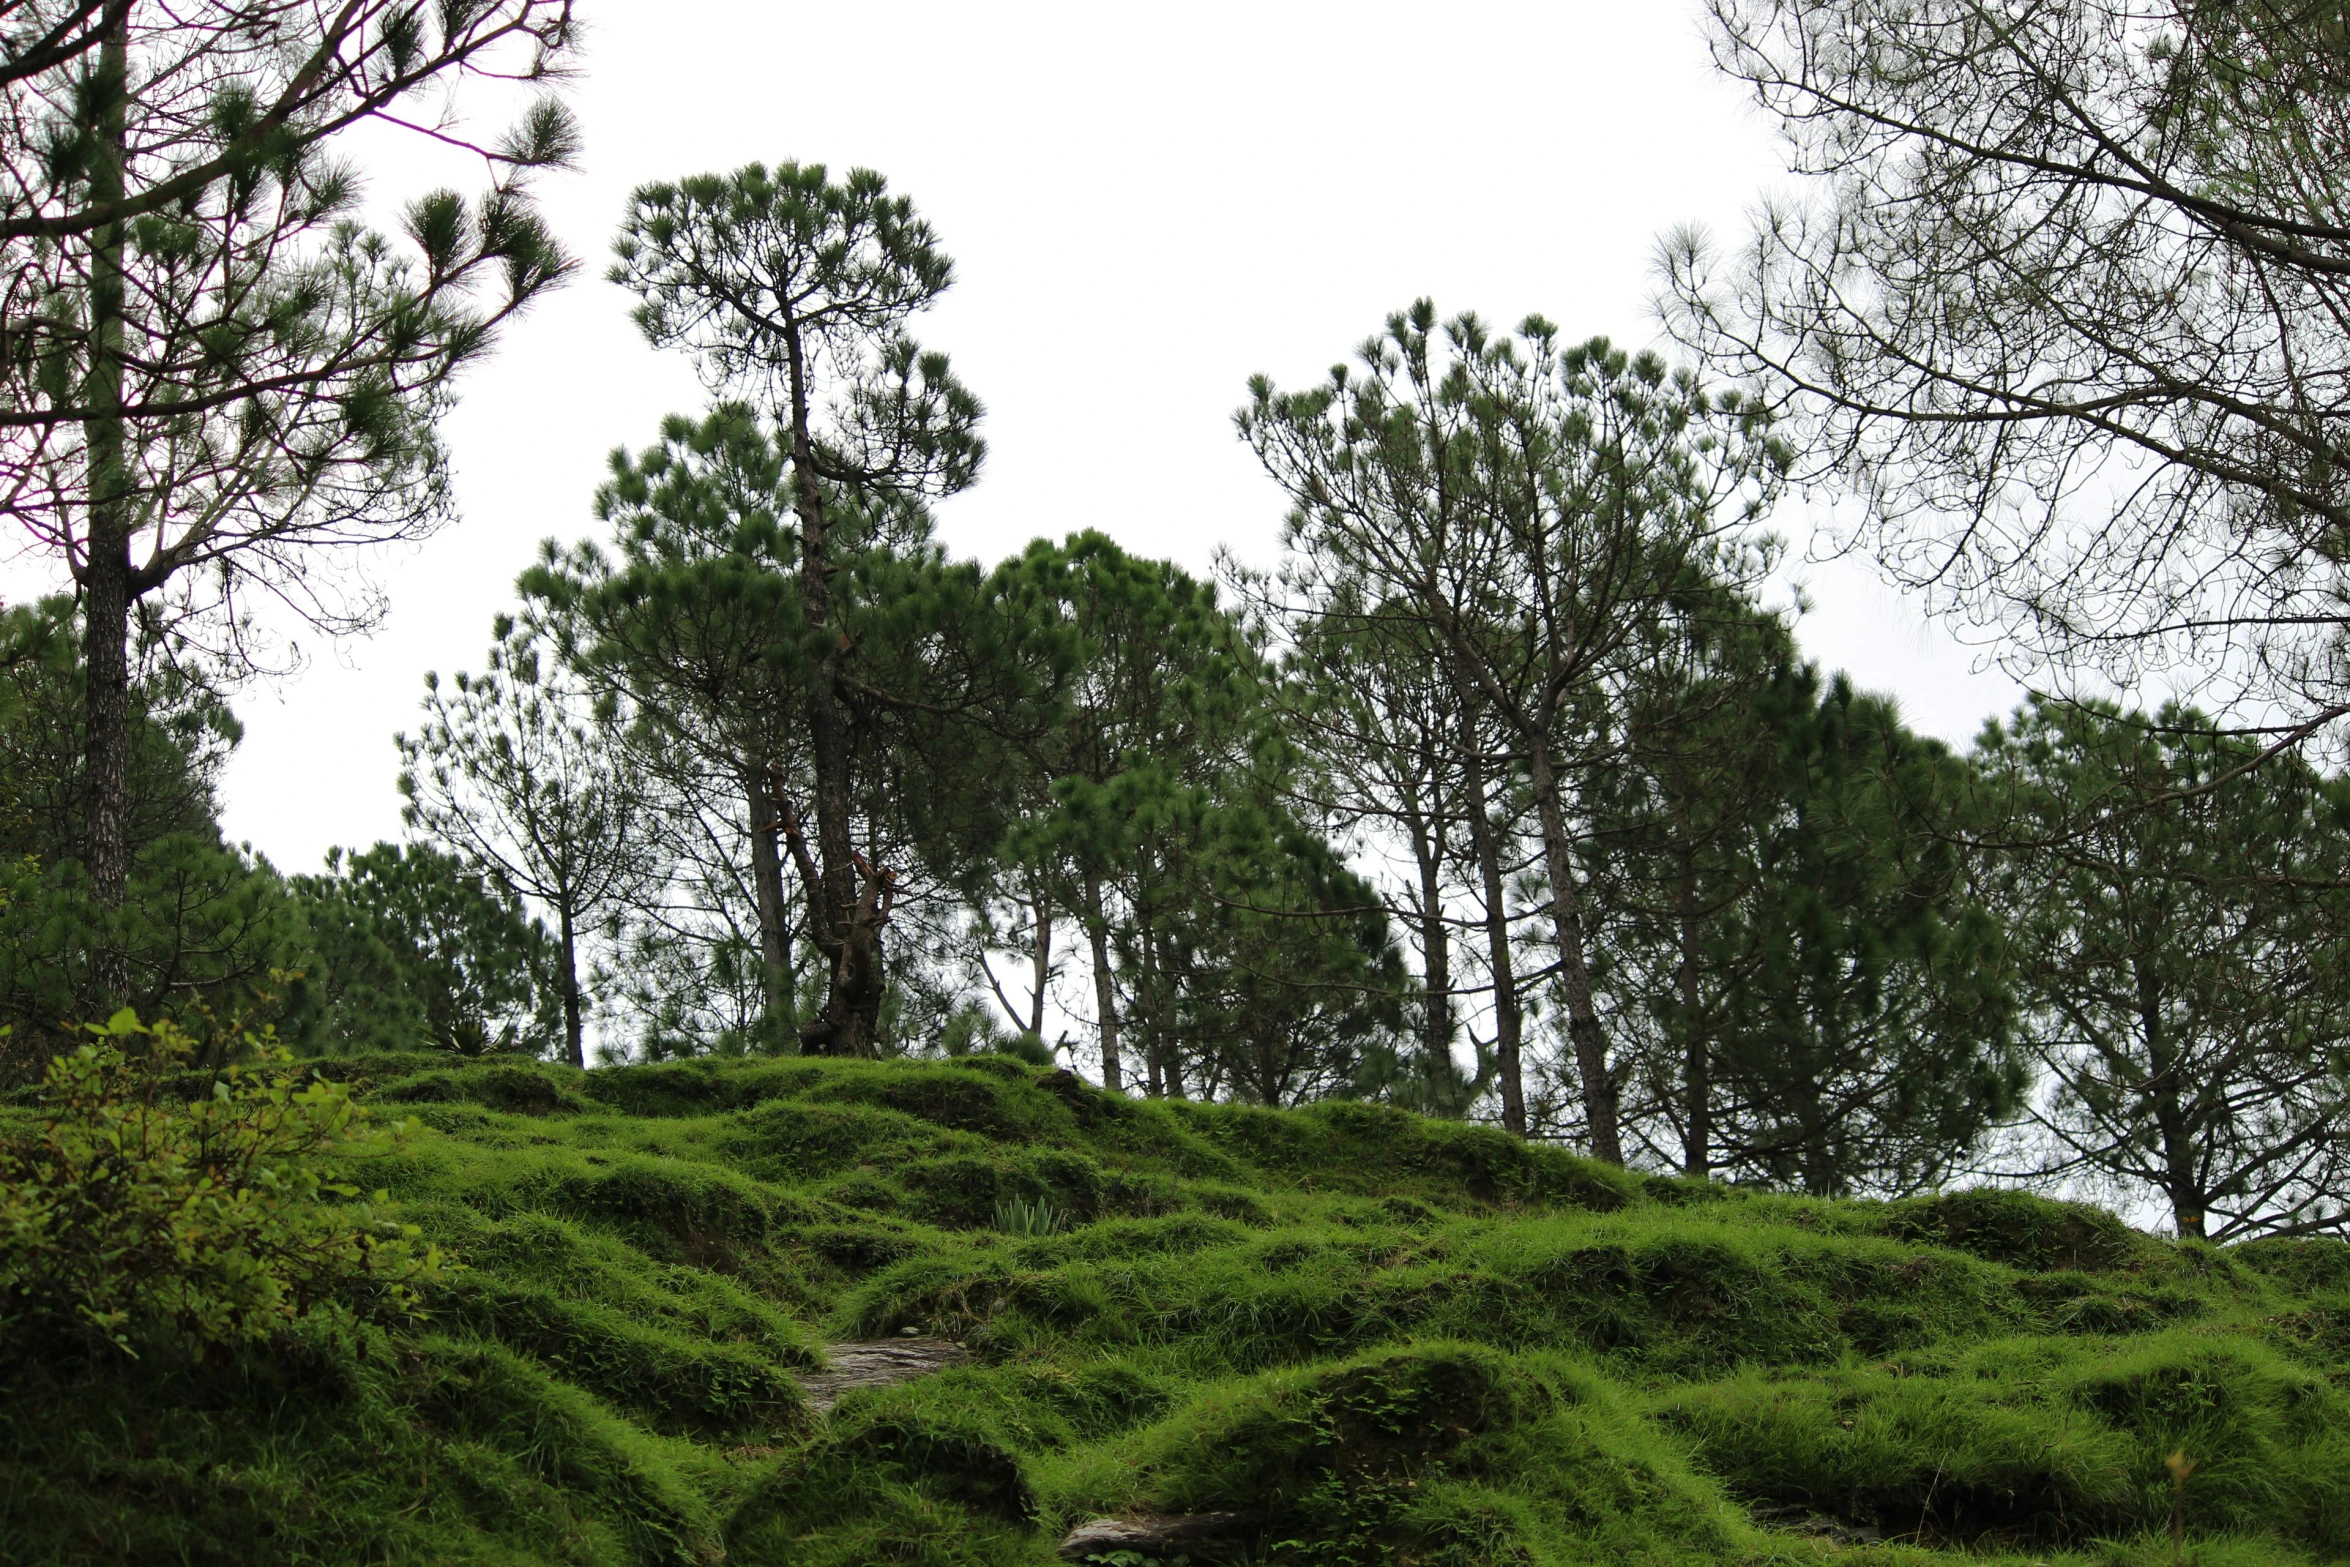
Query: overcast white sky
[[1146, 205]]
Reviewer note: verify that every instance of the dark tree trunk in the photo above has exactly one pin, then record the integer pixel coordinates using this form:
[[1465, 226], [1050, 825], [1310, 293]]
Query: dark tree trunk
[[1105, 990], [2171, 1123], [1599, 1088], [1147, 999], [1696, 1058], [1043, 959], [1166, 1063], [1164, 1036], [1508, 1019], [1435, 941], [574, 1041], [853, 994], [778, 1024], [106, 576]]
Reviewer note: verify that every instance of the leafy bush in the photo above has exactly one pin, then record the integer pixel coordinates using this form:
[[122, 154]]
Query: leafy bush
[[132, 1215]]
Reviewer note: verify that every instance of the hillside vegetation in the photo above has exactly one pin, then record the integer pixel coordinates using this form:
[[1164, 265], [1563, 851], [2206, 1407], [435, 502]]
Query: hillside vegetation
[[1379, 1338]]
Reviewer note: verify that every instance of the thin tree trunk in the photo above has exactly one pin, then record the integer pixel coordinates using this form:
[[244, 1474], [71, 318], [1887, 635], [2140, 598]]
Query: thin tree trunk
[[1696, 1060], [1147, 998], [1043, 960], [1508, 1019], [1599, 1089], [1105, 990], [106, 577], [1158, 1018], [778, 1024], [1435, 943], [574, 1044]]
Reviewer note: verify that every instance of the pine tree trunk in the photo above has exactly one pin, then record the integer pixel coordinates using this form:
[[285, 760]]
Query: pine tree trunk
[[778, 1024], [1043, 959], [1435, 944], [2170, 1117], [106, 578], [1105, 990], [1508, 1018], [1599, 1089], [837, 1031], [574, 1042], [1163, 1040], [1146, 1001], [866, 993], [1697, 1060]]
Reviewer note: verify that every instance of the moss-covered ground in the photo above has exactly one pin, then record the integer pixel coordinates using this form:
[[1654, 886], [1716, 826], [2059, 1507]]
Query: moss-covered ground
[[1378, 1338]]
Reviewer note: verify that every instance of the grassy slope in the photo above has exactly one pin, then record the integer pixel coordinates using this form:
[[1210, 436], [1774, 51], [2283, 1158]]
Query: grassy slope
[[1386, 1339]]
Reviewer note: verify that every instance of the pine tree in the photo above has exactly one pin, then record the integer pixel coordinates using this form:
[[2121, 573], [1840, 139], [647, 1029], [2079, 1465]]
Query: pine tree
[[210, 371], [1160, 691], [692, 617], [1544, 510], [794, 288], [410, 945], [515, 770], [204, 929], [1868, 1020], [1369, 699], [2178, 914], [1677, 813]]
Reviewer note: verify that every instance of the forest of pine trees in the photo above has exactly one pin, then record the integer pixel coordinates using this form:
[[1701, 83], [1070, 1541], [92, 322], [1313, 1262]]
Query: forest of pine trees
[[1503, 793]]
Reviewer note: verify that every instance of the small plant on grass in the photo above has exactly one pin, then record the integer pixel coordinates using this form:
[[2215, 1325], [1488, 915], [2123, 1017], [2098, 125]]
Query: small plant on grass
[[131, 1215], [2180, 1466], [1019, 1216]]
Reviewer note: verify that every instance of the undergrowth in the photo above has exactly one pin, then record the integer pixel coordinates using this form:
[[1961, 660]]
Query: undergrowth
[[1368, 1337]]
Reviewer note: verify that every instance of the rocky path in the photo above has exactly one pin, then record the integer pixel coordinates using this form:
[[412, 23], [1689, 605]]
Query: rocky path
[[885, 1362], [877, 1362]]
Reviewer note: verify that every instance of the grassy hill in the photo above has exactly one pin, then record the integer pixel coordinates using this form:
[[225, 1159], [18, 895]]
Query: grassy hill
[[1375, 1337]]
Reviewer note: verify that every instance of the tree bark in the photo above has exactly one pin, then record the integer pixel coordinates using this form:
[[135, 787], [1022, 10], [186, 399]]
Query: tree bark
[[1166, 1065], [779, 1025], [574, 1042], [1508, 1018], [106, 576], [847, 1008], [1599, 1088], [1696, 1058], [1147, 997], [1435, 942], [2170, 1117], [1105, 990], [1043, 959]]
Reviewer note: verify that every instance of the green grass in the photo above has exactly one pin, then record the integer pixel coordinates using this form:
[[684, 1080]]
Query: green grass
[[1378, 1338]]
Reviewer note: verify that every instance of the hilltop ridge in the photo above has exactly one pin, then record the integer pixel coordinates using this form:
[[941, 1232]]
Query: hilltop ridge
[[1366, 1335]]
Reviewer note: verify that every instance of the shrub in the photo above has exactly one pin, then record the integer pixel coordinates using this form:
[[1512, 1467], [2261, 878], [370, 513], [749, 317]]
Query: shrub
[[130, 1214]]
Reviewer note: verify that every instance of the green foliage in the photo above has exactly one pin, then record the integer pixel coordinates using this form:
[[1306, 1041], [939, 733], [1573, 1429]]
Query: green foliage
[[129, 1217], [180, 737], [410, 947], [203, 927], [1868, 1021], [517, 768], [2177, 933]]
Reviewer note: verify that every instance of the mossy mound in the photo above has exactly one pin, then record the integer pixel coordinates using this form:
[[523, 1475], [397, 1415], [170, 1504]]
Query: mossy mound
[[1366, 1336]]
